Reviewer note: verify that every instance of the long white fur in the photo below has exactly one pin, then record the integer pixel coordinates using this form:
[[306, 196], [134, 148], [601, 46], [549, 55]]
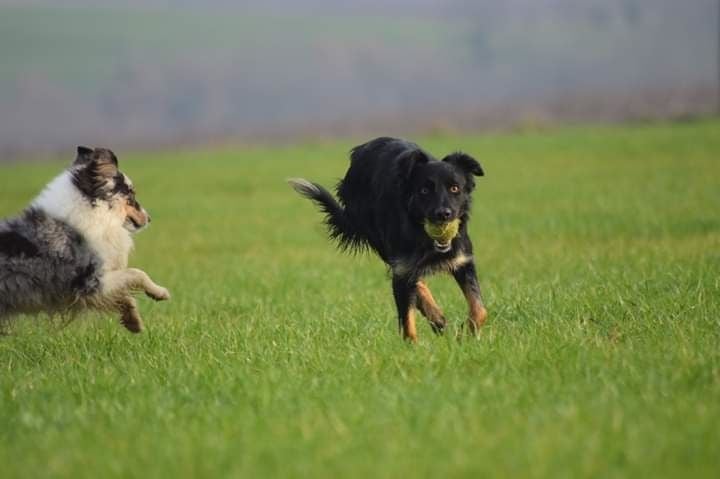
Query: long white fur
[[101, 225]]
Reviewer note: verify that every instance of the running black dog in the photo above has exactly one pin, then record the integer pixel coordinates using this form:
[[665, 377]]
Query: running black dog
[[390, 191]]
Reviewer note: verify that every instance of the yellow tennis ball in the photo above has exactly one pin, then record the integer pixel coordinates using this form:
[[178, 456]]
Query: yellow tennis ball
[[442, 232]]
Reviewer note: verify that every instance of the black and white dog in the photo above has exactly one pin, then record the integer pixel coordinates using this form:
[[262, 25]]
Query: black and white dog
[[69, 250], [391, 189]]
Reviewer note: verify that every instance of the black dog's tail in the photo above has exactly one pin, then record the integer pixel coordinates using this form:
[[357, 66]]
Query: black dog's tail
[[339, 225]]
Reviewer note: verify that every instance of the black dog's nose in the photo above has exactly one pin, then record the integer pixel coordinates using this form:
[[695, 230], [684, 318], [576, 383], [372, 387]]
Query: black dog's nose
[[443, 214]]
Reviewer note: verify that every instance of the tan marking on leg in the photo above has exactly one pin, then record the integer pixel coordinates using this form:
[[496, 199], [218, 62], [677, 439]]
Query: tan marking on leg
[[408, 326], [429, 308], [477, 312]]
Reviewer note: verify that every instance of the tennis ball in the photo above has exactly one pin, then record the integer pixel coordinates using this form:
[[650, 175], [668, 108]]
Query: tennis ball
[[443, 232]]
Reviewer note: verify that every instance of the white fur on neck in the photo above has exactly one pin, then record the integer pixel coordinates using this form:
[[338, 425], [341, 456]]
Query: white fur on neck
[[101, 226]]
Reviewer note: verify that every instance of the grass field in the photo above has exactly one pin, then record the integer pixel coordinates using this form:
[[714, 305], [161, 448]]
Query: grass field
[[599, 253]]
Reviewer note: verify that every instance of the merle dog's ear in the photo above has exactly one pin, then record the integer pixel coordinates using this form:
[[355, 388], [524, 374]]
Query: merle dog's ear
[[408, 160], [105, 162], [98, 162], [84, 155], [94, 172], [103, 155], [466, 163]]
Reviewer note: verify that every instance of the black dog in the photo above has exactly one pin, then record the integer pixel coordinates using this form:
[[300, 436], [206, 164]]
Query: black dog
[[390, 190]]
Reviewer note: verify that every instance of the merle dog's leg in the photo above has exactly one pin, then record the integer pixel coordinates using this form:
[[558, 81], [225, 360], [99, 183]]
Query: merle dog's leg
[[129, 314], [117, 287], [132, 279], [405, 293], [429, 308], [466, 278]]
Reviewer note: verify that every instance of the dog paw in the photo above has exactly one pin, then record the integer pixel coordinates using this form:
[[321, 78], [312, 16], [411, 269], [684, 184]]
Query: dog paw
[[132, 323], [438, 325], [158, 294]]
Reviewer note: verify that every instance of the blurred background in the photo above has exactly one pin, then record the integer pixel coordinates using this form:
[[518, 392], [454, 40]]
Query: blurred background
[[160, 72]]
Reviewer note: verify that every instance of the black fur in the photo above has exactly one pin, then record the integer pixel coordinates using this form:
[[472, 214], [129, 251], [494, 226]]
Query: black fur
[[44, 261], [86, 279], [391, 188], [14, 244]]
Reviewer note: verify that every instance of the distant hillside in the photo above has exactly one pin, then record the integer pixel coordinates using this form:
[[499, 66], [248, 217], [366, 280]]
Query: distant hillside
[[133, 74]]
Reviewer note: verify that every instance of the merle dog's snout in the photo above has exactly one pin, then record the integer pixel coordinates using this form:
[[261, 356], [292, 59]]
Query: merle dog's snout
[[442, 214]]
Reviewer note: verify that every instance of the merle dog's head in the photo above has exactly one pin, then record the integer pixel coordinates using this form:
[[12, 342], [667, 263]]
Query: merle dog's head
[[96, 175], [439, 191]]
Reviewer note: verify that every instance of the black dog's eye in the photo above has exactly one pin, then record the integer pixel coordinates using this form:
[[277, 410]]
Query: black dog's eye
[[424, 190], [455, 189]]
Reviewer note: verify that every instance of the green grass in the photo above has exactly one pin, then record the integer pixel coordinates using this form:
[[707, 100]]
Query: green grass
[[599, 254]]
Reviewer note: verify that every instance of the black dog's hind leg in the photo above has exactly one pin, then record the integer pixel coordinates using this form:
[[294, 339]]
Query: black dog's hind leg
[[405, 293], [466, 278], [429, 308]]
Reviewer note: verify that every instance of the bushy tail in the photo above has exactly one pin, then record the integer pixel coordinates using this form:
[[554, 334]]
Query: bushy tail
[[339, 226]]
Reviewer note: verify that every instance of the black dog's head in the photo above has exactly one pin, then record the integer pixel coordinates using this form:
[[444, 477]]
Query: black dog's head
[[439, 191]]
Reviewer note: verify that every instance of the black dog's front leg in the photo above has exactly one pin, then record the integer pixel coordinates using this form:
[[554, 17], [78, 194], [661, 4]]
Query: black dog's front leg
[[429, 308], [405, 292], [466, 278]]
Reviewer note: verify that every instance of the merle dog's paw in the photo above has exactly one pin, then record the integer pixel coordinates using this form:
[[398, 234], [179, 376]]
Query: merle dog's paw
[[132, 322], [158, 294]]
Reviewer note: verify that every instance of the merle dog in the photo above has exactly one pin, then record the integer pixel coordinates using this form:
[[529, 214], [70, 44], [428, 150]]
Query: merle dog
[[390, 190], [68, 251]]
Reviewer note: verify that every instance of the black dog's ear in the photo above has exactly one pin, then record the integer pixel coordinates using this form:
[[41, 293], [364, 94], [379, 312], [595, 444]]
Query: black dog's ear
[[84, 155], [466, 163], [408, 160]]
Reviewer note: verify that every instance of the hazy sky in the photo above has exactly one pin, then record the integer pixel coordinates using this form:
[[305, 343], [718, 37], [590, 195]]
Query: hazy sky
[[156, 71]]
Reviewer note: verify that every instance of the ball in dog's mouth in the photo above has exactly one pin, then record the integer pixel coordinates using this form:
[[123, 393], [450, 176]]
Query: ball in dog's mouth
[[442, 234]]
